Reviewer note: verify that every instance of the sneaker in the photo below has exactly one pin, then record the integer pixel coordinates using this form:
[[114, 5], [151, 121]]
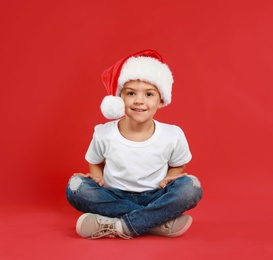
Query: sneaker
[[96, 226], [173, 228]]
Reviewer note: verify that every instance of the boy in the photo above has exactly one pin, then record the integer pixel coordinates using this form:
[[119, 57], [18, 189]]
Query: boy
[[136, 183]]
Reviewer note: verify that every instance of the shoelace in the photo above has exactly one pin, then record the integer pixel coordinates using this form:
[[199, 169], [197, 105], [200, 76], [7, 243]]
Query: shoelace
[[167, 225], [108, 230]]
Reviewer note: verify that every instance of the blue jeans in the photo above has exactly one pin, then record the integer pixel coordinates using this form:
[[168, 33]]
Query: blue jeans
[[139, 211]]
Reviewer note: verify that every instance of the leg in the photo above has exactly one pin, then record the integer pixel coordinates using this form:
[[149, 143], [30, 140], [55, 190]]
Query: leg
[[87, 196], [178, 196], [146, 210]]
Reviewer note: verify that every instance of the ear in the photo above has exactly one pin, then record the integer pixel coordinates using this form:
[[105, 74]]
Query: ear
[[161, 104]]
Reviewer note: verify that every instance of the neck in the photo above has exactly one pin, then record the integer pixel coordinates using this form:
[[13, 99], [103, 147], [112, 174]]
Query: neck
[[135, 131]]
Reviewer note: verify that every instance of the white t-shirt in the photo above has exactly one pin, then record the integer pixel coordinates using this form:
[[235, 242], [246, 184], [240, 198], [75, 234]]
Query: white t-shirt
[[137, 166]]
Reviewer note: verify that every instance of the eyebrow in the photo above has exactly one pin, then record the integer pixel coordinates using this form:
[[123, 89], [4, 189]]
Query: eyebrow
[[149, 89]]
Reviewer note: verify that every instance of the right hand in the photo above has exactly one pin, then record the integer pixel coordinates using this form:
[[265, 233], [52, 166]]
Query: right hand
[[96, 179]]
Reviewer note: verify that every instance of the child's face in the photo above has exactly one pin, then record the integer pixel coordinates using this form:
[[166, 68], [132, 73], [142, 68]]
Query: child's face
[[141, 100]]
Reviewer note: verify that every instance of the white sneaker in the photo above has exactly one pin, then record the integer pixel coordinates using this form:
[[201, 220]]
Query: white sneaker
[[95, 226], [173, 228]]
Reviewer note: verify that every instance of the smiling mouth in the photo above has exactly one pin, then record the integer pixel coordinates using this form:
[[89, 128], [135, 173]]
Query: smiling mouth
[[139, 110]]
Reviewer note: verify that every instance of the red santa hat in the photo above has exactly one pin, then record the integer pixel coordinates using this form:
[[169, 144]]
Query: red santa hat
[[147, 66]]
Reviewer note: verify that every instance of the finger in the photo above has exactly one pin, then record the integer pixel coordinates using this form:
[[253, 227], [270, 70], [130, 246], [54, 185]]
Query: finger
[[183, 174], [163, 183], [78, 174], [101, 182]]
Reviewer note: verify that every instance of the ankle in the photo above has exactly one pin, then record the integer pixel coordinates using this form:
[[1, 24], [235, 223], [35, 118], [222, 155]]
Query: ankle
[[118, 226], [121, 227]]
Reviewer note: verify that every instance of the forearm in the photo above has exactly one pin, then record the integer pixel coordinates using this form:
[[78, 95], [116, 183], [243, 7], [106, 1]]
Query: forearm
[[96, 173], [96, 170], [175, 171], [172, 174]]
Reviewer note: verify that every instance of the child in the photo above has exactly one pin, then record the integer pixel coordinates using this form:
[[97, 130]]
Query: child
[[136, 183]]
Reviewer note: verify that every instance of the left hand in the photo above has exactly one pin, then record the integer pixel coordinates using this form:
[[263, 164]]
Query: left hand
[[96, 179], [169, 179]]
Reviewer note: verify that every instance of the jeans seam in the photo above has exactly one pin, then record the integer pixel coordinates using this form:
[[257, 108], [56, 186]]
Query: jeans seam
[[129, 226]]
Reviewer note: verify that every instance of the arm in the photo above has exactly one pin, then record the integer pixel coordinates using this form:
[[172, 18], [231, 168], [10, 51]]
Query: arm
[[172, 174], [95, 173]]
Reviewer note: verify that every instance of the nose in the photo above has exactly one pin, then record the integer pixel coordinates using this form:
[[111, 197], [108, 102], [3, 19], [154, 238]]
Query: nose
[[139, 100]]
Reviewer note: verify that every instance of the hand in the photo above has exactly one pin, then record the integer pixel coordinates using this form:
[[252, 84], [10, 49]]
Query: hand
[[169, 179], [96, 179]]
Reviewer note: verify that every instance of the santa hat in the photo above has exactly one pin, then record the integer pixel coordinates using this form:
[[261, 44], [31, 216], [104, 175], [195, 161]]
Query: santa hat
[[147, 66]]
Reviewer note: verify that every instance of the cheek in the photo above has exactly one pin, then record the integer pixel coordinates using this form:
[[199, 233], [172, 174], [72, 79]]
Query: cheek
[[123, 97], [127, 101]]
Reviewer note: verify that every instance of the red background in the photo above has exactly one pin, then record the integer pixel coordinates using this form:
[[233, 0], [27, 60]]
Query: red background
[[220, 52]]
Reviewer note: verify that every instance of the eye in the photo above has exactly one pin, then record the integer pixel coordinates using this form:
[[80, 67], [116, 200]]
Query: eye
[[149, 94], [130, 93]]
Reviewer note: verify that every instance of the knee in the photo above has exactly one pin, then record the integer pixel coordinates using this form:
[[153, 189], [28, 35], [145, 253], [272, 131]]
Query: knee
[[75, 190], [74, 183], [195, 188], [195, 182], [79, 185], [72, 189], [191, 188]]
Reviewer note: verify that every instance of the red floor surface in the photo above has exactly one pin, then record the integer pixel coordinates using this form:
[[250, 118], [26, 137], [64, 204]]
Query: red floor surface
[[223, 228]]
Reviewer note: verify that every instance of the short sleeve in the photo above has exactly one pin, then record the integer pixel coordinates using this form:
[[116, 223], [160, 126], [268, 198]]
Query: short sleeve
[[181, 153], [94, 152]]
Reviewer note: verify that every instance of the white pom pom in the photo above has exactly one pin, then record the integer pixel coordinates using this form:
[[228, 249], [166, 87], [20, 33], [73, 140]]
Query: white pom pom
[[112, 107]]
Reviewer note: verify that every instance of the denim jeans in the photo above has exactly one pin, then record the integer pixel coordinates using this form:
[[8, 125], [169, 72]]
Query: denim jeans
[[139, 211]]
